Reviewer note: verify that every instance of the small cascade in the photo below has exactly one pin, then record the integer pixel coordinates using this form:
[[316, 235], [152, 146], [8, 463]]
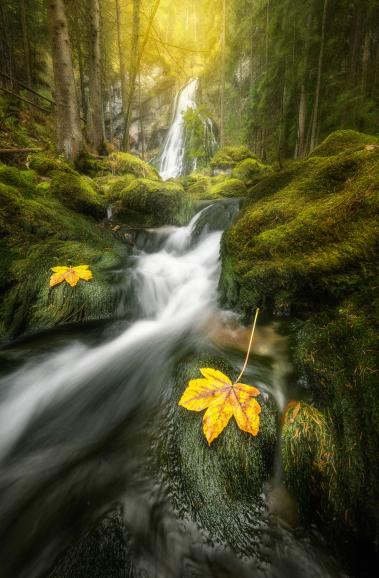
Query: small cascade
[[172, 157]]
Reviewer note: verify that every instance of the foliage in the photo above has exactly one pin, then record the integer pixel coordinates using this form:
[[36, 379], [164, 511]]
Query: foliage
[[222, 399], [71, 275], [200, 140]]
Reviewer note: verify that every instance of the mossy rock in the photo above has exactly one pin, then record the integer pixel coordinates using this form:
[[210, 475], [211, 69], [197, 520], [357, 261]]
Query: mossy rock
[[199, 189], [113, 186], [44, 165], [343, 141], [128, 164], [37, 232], [309, 455], [154, 203], [305, 246], [251, 171], [25, 180], [228, 157], [78, 193], [335, 350], [229, 188], [221, 482], [311, 239]]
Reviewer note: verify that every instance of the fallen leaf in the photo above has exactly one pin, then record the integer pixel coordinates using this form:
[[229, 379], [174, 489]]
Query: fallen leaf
[[70, 274], [222, 399]]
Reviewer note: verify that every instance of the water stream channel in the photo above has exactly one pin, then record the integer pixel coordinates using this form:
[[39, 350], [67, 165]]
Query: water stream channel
[[78, 427]]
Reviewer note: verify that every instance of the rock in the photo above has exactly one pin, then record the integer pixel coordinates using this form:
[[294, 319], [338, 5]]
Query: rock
[[219, 486], [304, 247], [251, 171], [228, 157], [39, 230], [154, 203], [77, 193], [101, 553]]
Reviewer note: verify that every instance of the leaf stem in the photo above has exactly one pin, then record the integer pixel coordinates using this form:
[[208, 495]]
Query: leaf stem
[[249, 349]]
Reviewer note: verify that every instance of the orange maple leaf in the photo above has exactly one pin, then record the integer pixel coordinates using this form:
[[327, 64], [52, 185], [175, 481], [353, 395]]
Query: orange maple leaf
[[70, 274], [222, 399]]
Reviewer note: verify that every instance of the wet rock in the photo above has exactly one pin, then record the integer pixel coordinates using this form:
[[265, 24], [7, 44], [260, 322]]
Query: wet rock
[[218, 486], [101, 553]]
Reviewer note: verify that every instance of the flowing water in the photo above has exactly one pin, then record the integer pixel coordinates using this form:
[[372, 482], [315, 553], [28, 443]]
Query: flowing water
[[75, 406], [172, 157]]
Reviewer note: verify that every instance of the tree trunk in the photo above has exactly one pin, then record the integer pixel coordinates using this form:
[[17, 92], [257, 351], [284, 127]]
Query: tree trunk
[[301, 145], [316, 109], [223, 58], [121, 55], [26, 43], [135, 70], [69, 134], [95, 129]]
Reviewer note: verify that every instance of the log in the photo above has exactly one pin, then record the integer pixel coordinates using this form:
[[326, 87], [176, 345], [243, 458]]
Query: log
[[16, 151]]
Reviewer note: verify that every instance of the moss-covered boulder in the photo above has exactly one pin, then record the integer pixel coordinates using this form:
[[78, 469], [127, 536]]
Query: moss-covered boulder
[[216, 485], [38, 231], [44, 164], [228, 157], [344, 141], [251, 171], [78, 193], [305, 247], [228, 188], [112, 186], [126, 163], [154, 203], [24, 180]]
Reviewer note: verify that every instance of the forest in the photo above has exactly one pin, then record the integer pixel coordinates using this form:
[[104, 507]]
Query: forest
[[188, 288]]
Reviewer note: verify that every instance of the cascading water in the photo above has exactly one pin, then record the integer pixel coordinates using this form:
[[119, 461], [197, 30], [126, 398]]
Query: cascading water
[[72, 418], [172, 157]]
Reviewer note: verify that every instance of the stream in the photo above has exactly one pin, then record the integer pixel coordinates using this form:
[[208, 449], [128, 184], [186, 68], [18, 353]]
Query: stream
[[76, 403]]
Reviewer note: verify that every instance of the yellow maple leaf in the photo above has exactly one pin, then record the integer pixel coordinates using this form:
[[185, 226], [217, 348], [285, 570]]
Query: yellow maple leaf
[[222, 399], [70, 274]]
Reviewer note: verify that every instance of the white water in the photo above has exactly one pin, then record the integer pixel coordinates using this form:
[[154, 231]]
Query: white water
[[172, 158], [177, 289]]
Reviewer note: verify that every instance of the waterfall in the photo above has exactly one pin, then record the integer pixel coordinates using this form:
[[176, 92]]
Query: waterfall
[[172, 157]]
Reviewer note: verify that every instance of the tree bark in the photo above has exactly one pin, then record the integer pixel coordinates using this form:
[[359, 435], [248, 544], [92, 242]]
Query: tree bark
[[26, 42], [122, 59], [69, 134], [133, 68], [95, 130], [316, 109]]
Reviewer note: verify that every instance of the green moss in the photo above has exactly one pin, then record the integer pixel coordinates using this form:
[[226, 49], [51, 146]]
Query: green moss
[[44, 164], [310, 240], [112, 187], [37, 232], [228, 157], [343, 141], [335, 350], [126, 163], [305, 245], [25, 180], [251, 171], [229, 188], [309, 455], [77, 193], [155, 203], [222, 481]]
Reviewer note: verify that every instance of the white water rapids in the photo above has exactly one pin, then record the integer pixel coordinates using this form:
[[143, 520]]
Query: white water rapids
[[176, 288]]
